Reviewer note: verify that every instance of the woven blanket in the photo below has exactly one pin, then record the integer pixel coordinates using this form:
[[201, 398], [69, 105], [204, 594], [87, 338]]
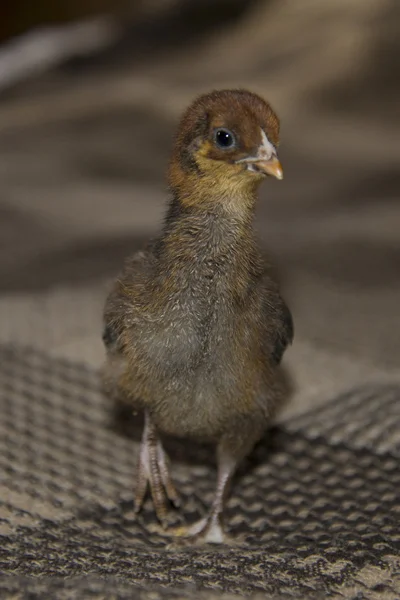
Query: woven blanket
[[83, 151]]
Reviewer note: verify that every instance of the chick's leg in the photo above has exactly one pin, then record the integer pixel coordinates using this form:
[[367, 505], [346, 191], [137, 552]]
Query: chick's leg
[[210, 529], [153, 471]]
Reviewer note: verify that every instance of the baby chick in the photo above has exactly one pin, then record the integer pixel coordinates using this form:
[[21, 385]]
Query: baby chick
[[195, 326]]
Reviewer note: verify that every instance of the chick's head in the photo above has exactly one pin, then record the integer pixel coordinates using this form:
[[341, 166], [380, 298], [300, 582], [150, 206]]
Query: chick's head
[[226, 142]]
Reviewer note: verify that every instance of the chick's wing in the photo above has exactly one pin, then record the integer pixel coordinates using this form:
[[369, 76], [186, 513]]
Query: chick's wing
[[125, 298], [278, 321]]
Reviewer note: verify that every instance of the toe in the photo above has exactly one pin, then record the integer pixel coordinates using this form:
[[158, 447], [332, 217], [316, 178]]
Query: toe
[[169, 487], [206, 531], [153, 472], [141, 486], [172, 493]]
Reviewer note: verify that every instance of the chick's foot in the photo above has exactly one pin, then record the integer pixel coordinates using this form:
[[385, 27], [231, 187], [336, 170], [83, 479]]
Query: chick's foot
[[153, 471], [208, 530]]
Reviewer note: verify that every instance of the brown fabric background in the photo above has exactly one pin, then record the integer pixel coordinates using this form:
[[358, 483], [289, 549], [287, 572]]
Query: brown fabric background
[[83, 152]]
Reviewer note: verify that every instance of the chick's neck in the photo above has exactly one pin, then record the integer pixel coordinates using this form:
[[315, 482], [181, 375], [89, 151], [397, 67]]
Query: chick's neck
[[208, 236], [213, 189]]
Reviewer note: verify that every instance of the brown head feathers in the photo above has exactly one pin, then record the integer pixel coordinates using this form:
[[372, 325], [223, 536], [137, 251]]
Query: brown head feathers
[[225, 144]]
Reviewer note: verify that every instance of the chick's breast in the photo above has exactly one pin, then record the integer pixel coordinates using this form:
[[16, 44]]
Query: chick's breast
[[193, 358]]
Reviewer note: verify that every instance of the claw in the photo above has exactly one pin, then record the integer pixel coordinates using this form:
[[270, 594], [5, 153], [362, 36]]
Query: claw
[[153, 471]]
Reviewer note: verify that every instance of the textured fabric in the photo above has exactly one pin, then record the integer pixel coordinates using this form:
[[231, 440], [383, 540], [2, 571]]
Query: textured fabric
[[83, 152], [310, 512]]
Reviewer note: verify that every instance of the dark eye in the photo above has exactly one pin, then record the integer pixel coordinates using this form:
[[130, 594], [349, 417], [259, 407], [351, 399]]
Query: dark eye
[[224, 138]]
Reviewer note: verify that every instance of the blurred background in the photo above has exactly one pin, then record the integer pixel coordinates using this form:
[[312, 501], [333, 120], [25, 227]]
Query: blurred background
[[90, 93]]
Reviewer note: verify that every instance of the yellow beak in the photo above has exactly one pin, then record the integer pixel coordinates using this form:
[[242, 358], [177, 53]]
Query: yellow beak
[[271, 166]]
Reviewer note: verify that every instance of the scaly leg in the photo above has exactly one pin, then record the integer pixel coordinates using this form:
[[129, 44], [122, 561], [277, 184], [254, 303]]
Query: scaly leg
[[210, 529], [153, 471]]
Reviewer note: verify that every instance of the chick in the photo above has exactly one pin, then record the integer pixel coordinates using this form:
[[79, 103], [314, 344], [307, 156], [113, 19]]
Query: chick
[[195, 327]]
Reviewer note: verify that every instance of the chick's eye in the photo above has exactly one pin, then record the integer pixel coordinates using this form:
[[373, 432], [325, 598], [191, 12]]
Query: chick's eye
[[224, 138]]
